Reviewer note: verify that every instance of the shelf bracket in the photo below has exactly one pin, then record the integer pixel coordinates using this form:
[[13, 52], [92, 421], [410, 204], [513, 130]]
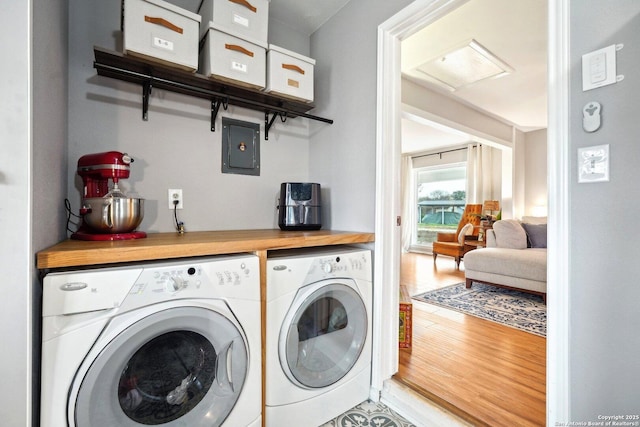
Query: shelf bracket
[[126, 68], [146, 92], [269, 122], [215, 106]]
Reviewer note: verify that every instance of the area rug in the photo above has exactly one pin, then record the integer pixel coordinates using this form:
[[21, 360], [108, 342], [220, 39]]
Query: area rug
[[509, 307]]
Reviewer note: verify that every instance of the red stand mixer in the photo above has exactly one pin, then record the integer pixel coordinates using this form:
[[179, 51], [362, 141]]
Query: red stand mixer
[[107, 214]]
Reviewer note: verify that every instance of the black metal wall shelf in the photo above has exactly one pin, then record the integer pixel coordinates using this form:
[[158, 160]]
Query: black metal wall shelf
[[152, 75]]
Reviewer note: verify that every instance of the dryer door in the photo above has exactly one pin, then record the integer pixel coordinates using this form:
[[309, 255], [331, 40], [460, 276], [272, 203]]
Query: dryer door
[[182, 366], [323, 334]]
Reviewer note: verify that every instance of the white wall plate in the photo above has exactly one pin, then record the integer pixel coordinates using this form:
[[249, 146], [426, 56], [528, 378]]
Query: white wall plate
[[599, 68], [593, 164]]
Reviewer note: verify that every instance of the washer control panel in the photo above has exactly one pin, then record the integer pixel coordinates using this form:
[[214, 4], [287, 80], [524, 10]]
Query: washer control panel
[[131, 286], [168, 279], [198, 279]]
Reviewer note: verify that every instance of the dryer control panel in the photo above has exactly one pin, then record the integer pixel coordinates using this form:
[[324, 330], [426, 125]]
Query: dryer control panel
[[354, 264], [310, 265], [344, 264]]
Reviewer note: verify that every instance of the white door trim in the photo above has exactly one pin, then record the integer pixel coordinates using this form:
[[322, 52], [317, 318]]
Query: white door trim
[[558, 160], [388, 205]]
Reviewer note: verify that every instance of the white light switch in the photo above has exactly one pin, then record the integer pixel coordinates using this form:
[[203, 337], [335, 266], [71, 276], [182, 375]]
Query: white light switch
[[593, 164], [599, 68]]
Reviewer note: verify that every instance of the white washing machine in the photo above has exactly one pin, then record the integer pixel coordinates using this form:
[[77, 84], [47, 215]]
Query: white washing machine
[[318, 334], [175, 343]]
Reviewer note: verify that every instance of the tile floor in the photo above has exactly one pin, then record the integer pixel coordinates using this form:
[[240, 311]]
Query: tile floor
[[369, 414]]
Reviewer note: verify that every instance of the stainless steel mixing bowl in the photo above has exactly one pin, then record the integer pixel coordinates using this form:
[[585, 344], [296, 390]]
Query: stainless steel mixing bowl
[[113, 214]]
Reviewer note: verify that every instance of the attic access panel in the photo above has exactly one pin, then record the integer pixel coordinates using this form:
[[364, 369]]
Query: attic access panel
[[240, 147]]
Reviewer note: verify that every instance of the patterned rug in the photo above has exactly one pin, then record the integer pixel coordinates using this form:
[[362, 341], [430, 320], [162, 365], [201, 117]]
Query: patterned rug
[[369, 414], [509, 307]]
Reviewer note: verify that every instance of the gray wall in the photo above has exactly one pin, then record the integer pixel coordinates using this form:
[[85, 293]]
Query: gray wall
[[175, 148], [604, 293], [344, 154], [105, 114], [49, 156]]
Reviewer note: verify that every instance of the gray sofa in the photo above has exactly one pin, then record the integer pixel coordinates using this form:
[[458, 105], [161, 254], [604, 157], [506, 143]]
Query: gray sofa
[[515, 257]]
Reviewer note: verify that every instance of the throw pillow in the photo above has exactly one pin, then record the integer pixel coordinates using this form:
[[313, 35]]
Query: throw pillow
[[510, 234], [537, 235], [534, 219], [467, 230]]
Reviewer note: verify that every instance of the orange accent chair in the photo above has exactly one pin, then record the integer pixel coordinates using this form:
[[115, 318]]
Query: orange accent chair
[[448, 243]]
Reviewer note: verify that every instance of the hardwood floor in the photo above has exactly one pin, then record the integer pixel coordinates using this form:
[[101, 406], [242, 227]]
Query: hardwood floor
[[486, 373]]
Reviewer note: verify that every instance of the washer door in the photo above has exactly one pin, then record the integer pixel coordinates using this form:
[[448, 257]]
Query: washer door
[[182, 366], [323, 334]]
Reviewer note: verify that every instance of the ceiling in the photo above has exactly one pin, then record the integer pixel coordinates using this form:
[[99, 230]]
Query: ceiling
[[515, 31]]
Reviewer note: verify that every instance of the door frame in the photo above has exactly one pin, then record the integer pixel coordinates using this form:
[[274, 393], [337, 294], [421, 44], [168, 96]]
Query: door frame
[[388, 204]]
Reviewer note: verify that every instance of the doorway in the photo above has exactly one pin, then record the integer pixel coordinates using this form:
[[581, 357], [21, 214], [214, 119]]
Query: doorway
[[409, 20]]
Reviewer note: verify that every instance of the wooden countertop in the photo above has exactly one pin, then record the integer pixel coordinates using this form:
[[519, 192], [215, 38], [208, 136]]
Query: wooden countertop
[[75, 253]]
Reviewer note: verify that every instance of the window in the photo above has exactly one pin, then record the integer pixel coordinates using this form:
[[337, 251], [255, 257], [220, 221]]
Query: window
[[440, 197]]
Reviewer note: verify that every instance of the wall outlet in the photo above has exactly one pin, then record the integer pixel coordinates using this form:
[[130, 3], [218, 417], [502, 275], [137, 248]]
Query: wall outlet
[[173, 195]]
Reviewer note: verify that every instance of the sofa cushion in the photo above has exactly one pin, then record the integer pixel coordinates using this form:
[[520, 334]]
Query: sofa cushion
[[510, 234], [527, 264], [536, 235]]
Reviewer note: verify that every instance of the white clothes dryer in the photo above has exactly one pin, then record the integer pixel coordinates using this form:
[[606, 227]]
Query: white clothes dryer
[[318, 334], [174, 343]]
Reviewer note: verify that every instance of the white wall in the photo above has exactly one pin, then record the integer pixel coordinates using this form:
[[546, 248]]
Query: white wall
[[175, 148], [454, 112], [529, 154], [15, 213], [509, 167], [535, 173], [604, 342]]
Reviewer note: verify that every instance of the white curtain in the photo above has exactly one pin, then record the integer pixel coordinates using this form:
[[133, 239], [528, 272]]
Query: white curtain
[[408, 207], [479, 173]]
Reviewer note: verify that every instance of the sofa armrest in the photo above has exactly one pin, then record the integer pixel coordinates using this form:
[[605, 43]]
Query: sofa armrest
[[490, 237]]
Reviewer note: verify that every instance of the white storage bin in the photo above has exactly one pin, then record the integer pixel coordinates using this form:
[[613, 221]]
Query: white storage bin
[[289, 74], [226, 57], [246, 19], [162, 32]]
